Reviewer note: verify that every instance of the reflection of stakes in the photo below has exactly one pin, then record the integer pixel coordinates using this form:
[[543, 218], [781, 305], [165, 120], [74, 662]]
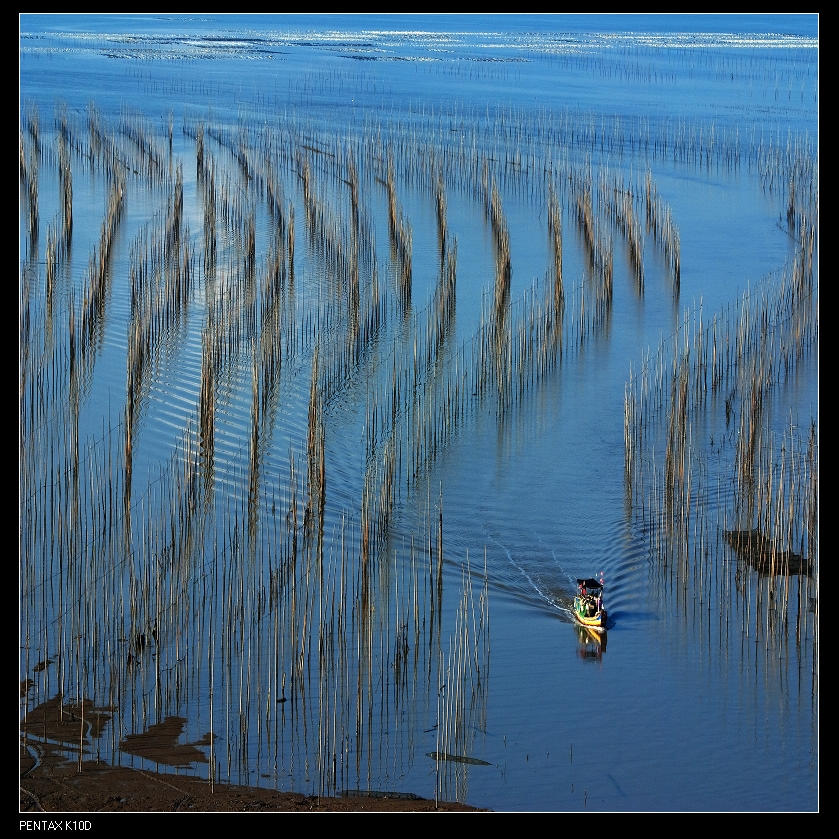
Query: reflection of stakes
[[618, 201], [744, 353], [461, 694], [400, 239], [660, 224], [184, 567], [555, 238]]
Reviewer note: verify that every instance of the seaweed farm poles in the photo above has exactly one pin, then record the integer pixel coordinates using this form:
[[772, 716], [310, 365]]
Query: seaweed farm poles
[[501, 294], [29, 179], [315, 450], [401, 240], [619, 203], [461, 694], [738, 361], [97, 287], [66, 177], [664, 231], [555, 239]]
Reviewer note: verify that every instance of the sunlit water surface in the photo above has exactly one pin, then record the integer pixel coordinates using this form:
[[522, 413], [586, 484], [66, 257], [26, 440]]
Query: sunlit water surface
[[677, 708]]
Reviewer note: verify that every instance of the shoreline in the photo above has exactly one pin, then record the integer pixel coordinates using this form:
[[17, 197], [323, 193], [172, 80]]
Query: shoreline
[[55, 785]]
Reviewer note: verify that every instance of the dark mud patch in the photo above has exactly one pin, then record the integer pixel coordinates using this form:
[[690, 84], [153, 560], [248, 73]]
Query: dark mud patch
[[764, 555], [474, 761], [159, 744], [55, 727], [97, 787], [71, 723]]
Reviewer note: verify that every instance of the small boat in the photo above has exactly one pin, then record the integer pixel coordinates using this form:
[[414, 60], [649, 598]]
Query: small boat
[[588, 604]]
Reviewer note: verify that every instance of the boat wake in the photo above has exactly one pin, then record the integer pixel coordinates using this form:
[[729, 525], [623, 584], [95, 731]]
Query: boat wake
[[554, 596]]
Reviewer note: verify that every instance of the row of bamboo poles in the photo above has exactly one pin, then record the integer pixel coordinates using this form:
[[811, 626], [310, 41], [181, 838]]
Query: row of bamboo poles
[[759, 501], [343, 266], [125, 558], [227, 576], [146, 151]]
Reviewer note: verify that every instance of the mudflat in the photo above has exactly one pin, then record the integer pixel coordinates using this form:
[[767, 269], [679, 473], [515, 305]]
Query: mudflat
[[56, 784]]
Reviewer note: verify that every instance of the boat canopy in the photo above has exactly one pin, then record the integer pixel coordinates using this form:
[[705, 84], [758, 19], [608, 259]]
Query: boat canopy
[[589, 583]]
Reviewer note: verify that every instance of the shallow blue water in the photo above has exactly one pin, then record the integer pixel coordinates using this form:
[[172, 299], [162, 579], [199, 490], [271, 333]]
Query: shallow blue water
[[653, 718]]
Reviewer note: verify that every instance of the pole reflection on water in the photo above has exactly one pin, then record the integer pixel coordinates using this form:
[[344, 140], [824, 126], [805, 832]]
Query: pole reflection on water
[[287, 308]]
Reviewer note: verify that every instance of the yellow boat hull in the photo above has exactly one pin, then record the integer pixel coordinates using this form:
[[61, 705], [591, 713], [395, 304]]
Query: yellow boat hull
[[596, 621]]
